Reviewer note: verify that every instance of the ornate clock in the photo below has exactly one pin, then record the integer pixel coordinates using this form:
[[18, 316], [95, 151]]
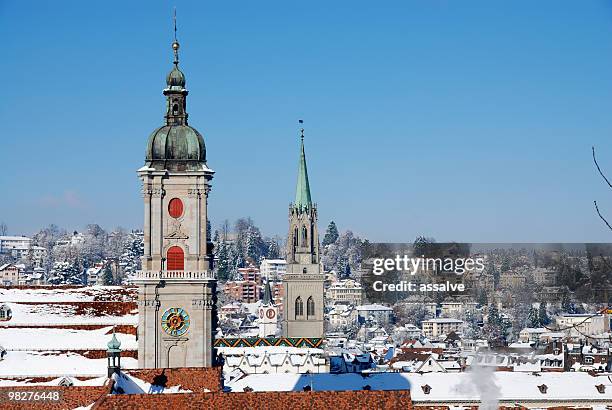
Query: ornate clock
[[270, 313], [175, 321]]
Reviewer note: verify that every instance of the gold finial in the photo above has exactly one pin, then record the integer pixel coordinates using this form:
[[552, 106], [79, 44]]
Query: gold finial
[[175, 43]]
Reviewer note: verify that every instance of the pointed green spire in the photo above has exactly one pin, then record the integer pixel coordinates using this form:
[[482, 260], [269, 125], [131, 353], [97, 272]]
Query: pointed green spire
[[302, 193]]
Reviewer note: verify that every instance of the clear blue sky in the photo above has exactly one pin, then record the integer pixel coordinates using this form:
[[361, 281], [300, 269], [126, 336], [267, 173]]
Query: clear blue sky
[[461, 120]]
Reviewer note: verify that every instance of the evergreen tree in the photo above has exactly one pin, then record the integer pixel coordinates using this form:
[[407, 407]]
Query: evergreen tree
[[533, 318], [107, 277], [543, 315], [331, 234]]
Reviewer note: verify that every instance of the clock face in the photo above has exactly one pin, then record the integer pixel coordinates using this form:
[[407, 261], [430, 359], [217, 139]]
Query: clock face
[[270, 313], [175, 321]]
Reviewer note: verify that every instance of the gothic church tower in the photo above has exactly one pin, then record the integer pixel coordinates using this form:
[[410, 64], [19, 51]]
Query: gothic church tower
[[303, 282], [176, 285]]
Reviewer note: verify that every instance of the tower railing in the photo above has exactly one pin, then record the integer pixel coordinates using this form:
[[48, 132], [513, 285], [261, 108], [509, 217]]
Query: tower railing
[[175, 274]]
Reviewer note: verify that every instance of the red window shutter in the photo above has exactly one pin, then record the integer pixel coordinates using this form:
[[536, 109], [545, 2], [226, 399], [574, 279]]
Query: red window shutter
[[175, 208], [175, 259]]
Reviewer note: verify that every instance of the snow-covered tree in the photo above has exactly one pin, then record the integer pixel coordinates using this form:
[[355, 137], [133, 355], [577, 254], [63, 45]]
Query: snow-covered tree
[[65, 273], [331, 234]]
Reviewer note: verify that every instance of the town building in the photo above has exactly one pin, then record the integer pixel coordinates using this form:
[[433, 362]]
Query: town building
[[579, 325], [436, 328], [10, 274], [176, 298], [344, 291], [375, 313], [273, 269], [17, 246]]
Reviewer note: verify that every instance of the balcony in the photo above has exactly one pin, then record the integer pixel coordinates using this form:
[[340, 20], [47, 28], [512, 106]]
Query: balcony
[[171, 275]]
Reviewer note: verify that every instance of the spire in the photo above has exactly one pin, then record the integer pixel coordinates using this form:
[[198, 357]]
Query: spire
[[175, 92], [267, 298], [175, 78], [302, 193]]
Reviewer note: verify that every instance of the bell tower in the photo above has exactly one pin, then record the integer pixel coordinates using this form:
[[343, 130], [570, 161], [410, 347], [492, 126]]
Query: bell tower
[[176, 296], [303, 282]]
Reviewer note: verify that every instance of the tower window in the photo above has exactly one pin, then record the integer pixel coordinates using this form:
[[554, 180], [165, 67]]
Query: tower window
[[175, 258], [299, 307], [295, 236], [310, 308], [304, 236]]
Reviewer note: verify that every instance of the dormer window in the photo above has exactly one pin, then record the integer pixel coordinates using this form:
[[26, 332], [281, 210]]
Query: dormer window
[[5, 313]]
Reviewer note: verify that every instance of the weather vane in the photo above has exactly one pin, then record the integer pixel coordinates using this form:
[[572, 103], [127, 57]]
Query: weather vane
[[302, 128]]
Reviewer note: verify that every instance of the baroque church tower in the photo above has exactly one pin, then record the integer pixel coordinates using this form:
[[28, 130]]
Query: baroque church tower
[[176, 296], [303, 282]]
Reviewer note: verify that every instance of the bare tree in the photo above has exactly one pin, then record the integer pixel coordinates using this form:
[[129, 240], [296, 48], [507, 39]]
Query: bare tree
[[609, 185], [3, 229]]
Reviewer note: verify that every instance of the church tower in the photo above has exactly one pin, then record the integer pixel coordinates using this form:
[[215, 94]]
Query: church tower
[[268, 313], [303, 282], [176, 296]]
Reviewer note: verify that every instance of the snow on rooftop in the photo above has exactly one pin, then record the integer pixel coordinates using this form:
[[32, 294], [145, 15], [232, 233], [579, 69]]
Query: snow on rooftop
[[373, 307], [44, 364], [507, 386], [60, 294], [61, 339], [42, 314], [133, 385]]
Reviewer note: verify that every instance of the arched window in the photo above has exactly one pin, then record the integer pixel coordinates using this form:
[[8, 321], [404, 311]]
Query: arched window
[[304, 236], [295, 236], [310, 308], [299, 307], [175, 259]]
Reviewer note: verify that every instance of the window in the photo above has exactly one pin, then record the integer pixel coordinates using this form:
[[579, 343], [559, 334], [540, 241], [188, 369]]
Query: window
[[304, 236], [176, 258], [310, 307], [299, 307], [295, 236], [175, 208]]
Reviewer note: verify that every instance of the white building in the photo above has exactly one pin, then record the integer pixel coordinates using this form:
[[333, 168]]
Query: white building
[[584, 324], [18, 246], [378, 313], [435, 328], [342, 316], [9, 274], [346, 290], [273, 269], [531, 334]]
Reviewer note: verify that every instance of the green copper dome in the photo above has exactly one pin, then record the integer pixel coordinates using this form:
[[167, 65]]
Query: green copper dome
[[114, 343], [179, 145], [175, 78]]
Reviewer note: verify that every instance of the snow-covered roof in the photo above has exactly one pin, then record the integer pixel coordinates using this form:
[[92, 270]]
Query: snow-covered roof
[[447, 387], [373, 307]]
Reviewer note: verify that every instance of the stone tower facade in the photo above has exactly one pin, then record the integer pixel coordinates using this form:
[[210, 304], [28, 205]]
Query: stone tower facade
[[176, 296], [303, 282]]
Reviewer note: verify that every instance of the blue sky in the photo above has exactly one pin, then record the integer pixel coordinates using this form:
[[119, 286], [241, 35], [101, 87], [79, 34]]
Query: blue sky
[[468, 121]]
